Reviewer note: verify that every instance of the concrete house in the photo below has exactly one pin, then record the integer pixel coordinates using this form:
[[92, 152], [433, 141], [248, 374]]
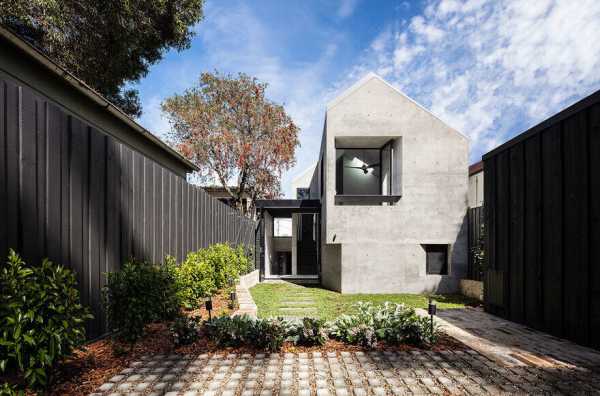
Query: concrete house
[[387, 201]]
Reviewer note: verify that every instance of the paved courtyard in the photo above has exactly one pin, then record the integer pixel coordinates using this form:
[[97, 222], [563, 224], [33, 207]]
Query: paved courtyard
[[504, 358], [345, 373]]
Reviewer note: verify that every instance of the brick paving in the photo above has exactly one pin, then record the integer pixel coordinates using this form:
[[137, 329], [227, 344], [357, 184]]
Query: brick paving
[[344, 374], [513, 344]]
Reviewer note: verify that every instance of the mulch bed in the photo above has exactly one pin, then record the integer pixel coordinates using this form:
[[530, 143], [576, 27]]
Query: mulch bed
[[88, 369]]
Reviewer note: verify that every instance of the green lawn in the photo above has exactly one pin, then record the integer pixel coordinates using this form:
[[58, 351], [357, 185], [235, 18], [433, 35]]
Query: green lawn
[[269, 297]]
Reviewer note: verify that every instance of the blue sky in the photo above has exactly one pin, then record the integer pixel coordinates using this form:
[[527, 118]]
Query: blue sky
[[489, 68]]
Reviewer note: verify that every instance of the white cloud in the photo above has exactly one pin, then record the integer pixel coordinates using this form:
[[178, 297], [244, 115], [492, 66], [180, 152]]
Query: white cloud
[[152, 118], [430, 32], [346, 8], [491, 68], [235, 39]]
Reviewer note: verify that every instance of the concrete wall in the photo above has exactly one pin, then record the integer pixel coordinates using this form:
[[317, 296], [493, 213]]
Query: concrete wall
[[269, 248], [250, 279], [281, 244], [303, 179], [381, 246], [471, 288], [331, 267], [476, 190]]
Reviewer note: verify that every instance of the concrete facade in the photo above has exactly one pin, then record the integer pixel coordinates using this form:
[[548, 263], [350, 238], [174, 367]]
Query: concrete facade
[[303, 179], [378, 248]]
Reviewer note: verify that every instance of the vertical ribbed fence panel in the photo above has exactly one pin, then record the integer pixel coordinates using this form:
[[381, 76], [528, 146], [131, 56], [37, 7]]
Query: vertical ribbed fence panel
[[542, 197], [76, 195]]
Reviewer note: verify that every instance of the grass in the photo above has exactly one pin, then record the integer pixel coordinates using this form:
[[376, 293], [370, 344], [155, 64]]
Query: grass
[[269, 297]]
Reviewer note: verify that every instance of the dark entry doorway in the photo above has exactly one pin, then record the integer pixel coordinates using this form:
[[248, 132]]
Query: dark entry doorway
[[308, 243]]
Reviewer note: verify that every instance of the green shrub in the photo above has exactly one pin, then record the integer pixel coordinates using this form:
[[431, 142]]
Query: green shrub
[[235, 331], [392, 323], [359, 328], [10, 390], [232, 331], [138, 294], [185, 330], [41, 318], [195, 280], [204, 272], [224, 261], [269, 333], [245, 261], [312, 332]]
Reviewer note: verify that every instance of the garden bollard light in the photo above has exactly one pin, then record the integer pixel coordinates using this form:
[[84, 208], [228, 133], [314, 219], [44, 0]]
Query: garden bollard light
[[232, 296], [208, 305], [432, 309]]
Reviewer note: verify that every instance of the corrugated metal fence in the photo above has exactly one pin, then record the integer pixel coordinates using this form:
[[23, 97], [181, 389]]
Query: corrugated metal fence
[[73, 194], [542, 197]]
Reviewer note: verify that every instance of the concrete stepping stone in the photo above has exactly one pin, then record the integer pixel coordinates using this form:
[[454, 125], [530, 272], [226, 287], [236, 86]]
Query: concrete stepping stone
[[298, 309], [284, 303]]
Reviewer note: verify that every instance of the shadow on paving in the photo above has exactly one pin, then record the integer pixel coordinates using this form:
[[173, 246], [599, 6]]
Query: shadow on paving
[[524, 344]]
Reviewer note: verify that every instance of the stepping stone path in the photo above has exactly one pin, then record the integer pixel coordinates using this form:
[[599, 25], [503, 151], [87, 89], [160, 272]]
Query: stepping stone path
[[299, 305]]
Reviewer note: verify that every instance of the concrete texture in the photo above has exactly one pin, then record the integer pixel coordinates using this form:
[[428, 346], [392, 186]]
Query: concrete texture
[[247, 306], [380, 246], [471, 288], [476, 189], [250, 279]]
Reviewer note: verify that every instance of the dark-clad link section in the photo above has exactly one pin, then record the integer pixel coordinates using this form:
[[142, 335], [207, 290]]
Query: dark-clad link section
[[542, 212]]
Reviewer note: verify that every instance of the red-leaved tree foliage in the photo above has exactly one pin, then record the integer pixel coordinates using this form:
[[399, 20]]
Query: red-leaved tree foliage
[[227, 127]]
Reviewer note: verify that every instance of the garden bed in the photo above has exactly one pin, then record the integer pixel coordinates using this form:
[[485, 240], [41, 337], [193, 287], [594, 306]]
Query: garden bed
[[89, 369]]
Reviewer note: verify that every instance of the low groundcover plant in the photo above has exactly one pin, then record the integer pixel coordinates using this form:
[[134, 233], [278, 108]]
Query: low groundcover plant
[[389, 323]]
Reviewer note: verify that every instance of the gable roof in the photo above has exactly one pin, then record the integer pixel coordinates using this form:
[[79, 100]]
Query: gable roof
[[370, 76]]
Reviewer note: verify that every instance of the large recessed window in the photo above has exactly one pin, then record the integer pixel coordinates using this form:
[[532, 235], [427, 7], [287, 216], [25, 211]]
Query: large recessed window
[[282, 227], [358, 171], [367, 175]]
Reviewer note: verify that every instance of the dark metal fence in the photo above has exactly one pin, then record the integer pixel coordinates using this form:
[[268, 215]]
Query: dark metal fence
[[542, 197], [78, 196], [476, 229]]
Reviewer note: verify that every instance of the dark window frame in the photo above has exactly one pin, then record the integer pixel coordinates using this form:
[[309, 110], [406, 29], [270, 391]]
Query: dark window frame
[[307, 189], [436, 248]]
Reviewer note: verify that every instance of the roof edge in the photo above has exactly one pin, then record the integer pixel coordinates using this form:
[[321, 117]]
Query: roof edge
[[85, 89], [371, 75]]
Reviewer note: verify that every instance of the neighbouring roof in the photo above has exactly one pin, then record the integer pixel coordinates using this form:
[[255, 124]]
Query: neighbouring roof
[[288, 203], [475, 168], [55, 68]]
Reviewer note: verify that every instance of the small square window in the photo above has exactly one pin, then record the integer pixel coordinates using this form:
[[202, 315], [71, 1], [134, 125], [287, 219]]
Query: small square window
[[436, 259], [282, 227]]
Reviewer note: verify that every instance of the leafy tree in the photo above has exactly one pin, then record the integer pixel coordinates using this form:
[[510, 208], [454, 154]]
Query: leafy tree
[[108, 44], [227, 127]]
